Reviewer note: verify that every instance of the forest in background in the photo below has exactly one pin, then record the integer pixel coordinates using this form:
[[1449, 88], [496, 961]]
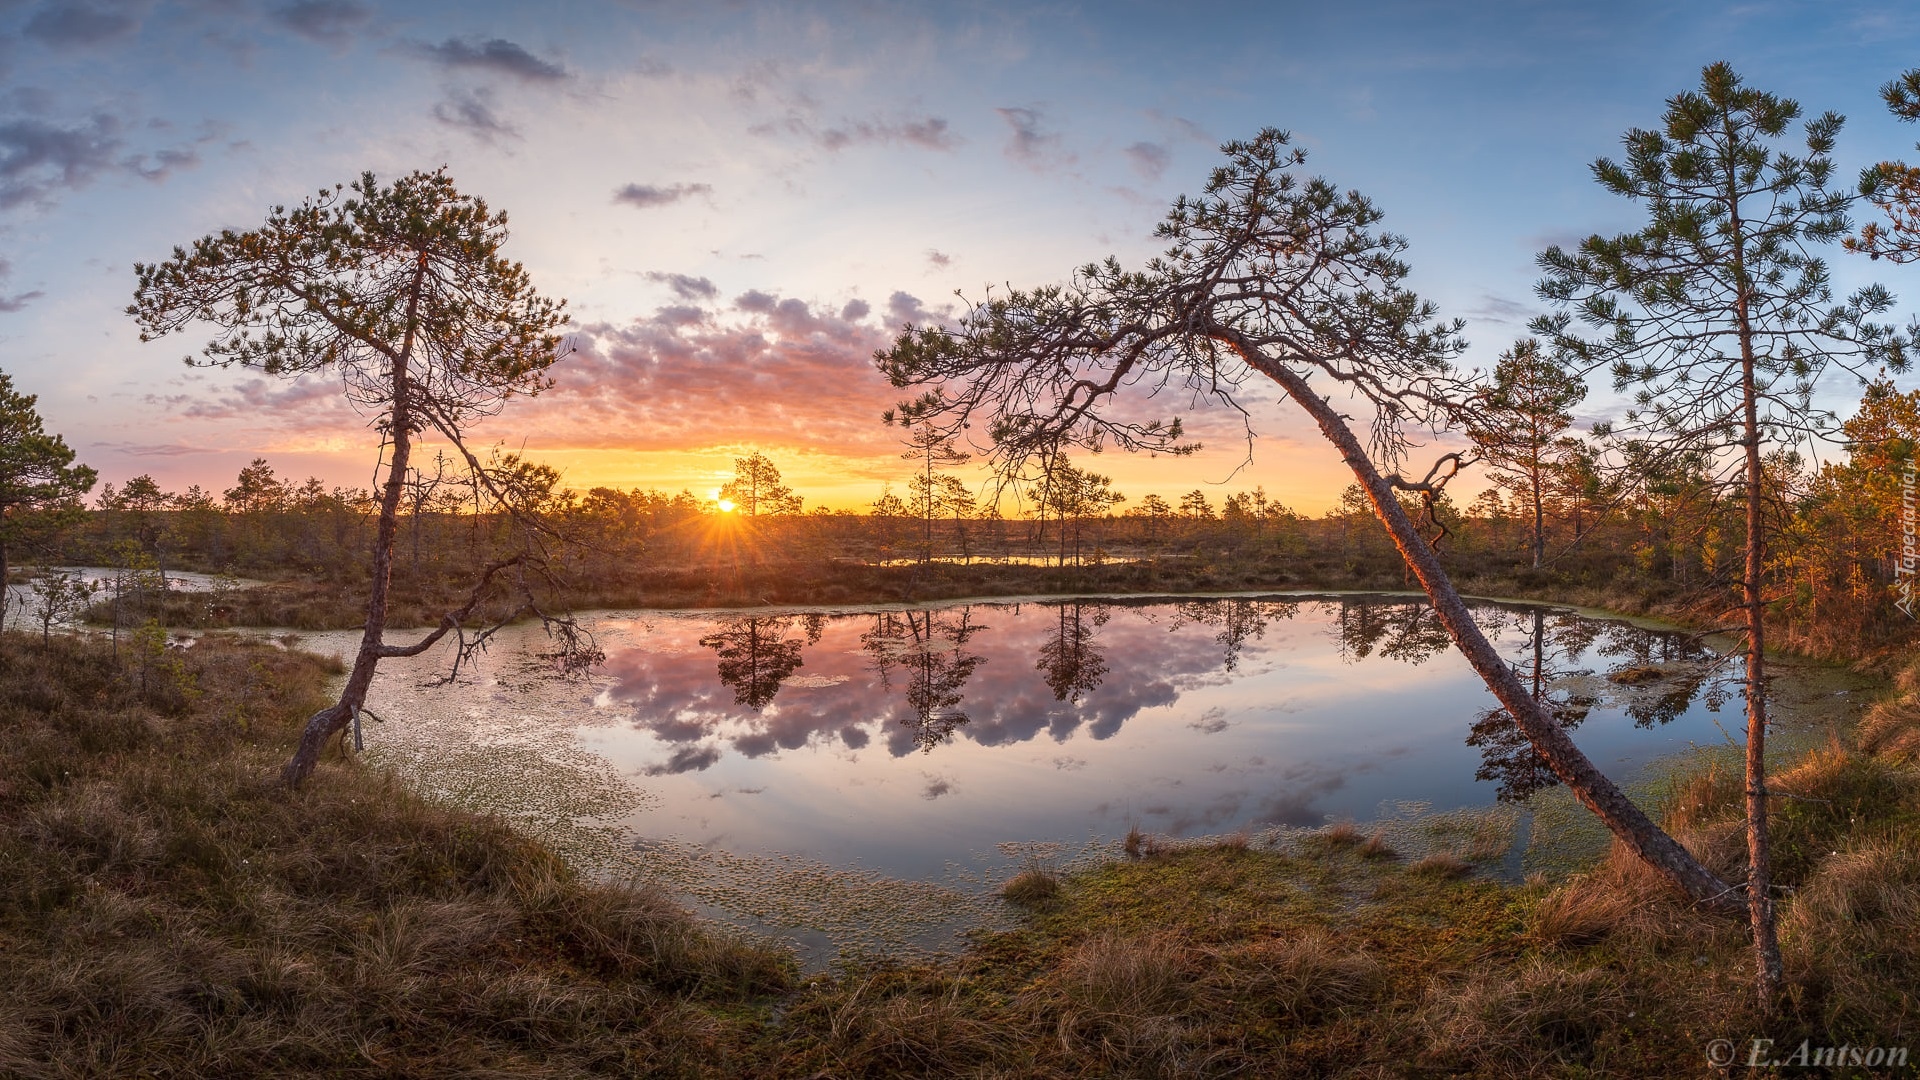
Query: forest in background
[[1641, 537]]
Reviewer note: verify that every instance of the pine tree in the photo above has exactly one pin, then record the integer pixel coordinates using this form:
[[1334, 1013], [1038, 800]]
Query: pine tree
[[1720, 316]]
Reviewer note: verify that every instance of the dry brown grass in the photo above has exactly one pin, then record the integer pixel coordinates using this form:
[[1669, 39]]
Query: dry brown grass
[[1300, 978], [1441, 864], [1528, 1020], [1375, 846], [169, 909], [1852, 937]]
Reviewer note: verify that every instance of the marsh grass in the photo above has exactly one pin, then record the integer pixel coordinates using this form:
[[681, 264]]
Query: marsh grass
[[169, 909]]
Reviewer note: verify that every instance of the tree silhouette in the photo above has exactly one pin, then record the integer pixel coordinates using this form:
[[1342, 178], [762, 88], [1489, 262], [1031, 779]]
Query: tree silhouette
[[756, 488], [402, 292], [37, 475]]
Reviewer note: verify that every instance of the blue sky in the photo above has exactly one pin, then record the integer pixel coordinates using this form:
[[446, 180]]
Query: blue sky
[[741, 201]]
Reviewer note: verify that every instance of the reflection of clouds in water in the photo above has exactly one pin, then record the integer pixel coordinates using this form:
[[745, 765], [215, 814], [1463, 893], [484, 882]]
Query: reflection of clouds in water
[[936, 786], [672, 692], [1069, 764], [1211, 722], [1300, 787], [686, 759], [1207, 815]]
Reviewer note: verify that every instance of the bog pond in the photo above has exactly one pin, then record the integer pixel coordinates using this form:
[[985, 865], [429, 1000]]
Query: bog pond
[[862, 776]]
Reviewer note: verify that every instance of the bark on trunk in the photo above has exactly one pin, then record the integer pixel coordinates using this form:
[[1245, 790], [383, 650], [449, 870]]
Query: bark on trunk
[[334, 718], [1594, 790], [1768, 968]]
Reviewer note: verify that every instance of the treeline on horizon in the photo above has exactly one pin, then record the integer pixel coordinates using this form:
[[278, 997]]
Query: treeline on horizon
[[1640, 533]]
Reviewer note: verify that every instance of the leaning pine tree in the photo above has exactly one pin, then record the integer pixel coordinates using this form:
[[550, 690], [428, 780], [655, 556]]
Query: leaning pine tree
[[1270, 276], [400, 291], [1721, 319]]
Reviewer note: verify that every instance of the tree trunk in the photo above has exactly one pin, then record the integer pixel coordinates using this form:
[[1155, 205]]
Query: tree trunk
[[332, 719], [1594, 790], [1768, 968]]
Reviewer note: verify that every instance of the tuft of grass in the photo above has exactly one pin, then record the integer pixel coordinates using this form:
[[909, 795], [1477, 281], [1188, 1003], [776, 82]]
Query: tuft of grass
[[1032, 887], [1375, 846], [1441, 865]]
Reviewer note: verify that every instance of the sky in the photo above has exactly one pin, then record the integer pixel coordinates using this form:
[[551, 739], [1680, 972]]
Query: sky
[[742, 201]]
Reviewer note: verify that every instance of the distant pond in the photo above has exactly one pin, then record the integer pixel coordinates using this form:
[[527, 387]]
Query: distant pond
[[924, 744]]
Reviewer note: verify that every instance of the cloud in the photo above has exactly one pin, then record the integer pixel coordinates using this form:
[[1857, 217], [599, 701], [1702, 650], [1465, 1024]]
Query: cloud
[[309, 401], [685, 286], [79, 24], [36, 157], [472, 111], [1150, 160], [155, 449], [161, 163], [1211, 722], [686, 759], [329, 22], [18, 301], [927, 133], [1502, 311], [936, 786], [690, 375], [940, 259], [650, 195], [1029, 143], [497, 55]]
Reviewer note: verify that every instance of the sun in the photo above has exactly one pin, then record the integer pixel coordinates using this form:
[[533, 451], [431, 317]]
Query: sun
[[726, 505]]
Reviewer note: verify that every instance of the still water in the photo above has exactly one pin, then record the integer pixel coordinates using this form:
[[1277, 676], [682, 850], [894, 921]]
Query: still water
[[909, 740]]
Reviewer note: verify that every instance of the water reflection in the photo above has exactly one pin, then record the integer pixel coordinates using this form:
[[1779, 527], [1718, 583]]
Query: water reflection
[[1070, 661], [931, 647], [755, 657], [1656, 677], [907, 738], [926, 675]]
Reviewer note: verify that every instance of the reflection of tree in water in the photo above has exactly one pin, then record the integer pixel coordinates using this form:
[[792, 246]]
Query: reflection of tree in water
[[1069, 661], [1406, 630], [1685, 669], [755, 655], [1678, 663], [1238, 619], [1505, 755], [931, 647]]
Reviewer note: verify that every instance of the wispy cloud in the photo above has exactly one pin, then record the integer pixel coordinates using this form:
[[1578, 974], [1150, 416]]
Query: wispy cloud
[[496, 55], [651, 195], [474, 112], [927, 133], [74, 24], [329, 22], [39, 158], [1028, 141], [685, 286], [1148, 159]]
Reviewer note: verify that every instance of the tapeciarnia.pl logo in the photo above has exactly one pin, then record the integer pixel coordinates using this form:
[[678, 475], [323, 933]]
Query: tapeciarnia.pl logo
[[1905, 566]]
